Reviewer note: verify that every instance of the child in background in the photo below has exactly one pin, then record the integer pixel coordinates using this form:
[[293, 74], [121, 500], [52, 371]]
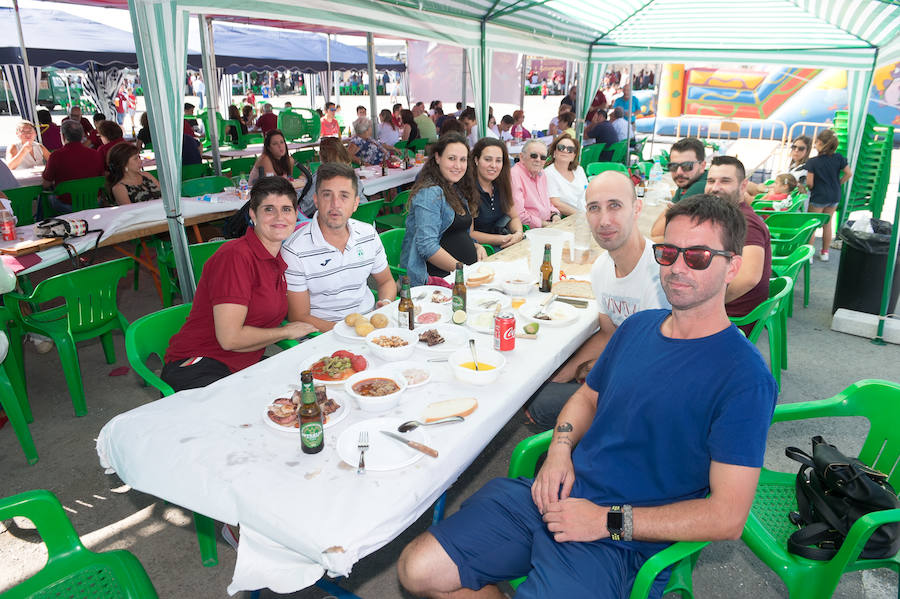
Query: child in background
[[825, 175], [781, 189]]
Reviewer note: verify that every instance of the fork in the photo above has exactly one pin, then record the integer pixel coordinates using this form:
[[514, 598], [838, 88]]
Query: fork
[[543, 311], [362, 444]]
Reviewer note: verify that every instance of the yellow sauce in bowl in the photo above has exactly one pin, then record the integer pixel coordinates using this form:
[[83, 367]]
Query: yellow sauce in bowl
[[481, 366]]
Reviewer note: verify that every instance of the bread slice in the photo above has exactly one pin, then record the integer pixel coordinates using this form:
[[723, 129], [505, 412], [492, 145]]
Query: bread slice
[[573, 288], [482, 276], [462, 406]]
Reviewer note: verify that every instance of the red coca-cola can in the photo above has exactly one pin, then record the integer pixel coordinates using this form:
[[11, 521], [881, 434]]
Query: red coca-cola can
[[504, 331], [8, 229]]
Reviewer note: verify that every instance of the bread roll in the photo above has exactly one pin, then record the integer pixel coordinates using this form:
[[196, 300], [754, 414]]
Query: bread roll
[[573, 288], [462, 406]]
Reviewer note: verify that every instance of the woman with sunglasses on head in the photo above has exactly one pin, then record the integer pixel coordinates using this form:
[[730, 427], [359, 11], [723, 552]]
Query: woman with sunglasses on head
[[275, 159], [442, 204], [566, 180], [497, 222], [800, 149], [529, 187]]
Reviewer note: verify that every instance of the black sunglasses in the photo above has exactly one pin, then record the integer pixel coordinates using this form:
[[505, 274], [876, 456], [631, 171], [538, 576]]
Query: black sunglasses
[[796, 147], [685, 166], [697, 257], [567, 149], [534, 155]]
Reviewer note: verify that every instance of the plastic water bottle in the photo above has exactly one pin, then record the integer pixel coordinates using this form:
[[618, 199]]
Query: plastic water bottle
[[656, 172], [244, 188]]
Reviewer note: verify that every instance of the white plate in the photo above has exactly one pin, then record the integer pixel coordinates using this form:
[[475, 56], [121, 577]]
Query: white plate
[[454, 336], [401, 366], [333, 419], [481, 322], [342, 329], [442, 310], [384, 453], [308, 362], [476, 297], [560, 314], [428, 290]]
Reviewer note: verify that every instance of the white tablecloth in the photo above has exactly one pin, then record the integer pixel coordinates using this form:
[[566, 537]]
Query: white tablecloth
[[209, 451], [119, 219], [29, 176], [374, 183]]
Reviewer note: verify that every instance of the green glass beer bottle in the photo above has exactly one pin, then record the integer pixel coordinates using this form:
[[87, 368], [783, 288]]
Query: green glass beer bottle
[[312, 434]]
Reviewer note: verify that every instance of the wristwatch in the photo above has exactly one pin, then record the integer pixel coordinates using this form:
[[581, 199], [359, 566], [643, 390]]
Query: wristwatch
[[619, 522]]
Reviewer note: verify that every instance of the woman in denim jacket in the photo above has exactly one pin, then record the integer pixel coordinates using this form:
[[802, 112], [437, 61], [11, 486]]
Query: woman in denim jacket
[[442, 205]]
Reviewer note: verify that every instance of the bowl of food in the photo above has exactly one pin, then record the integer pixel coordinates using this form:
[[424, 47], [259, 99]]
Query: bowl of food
[[490, 363], [376, 389], [392, 343], [518, 284]]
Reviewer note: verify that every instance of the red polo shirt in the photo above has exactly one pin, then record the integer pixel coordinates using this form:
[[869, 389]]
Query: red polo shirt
[[267, 122], [240, 271], [105, 148], [73, 161]]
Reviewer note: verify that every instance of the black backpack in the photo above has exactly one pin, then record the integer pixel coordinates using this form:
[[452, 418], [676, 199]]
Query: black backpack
[[236, 224], [833, 492]]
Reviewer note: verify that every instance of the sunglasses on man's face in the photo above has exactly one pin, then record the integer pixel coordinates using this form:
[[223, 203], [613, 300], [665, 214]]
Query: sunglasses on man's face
[[535, 156], [685, 166], [567, 149], [697, 257], [796, 147]]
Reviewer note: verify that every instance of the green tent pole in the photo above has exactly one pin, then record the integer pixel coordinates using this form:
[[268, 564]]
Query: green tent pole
[[207, 47], [483, 100], [889, 273]]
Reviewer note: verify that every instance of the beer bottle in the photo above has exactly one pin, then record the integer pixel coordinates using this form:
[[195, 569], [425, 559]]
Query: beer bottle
[[546, 270], [406, 315], [312, 434], [459, 290]]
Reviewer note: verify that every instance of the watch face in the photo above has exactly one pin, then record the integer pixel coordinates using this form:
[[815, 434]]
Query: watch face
[[614, 521]]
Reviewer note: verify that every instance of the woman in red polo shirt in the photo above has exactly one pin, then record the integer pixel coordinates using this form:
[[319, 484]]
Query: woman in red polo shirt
[[241, 298]]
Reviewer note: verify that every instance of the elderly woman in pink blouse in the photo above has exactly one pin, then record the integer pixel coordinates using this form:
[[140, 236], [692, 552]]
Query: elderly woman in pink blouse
[[529, 187]]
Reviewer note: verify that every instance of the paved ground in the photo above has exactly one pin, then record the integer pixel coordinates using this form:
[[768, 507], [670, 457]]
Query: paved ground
[[108, 515]]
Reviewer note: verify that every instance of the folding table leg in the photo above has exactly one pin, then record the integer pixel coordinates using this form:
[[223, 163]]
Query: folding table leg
[[206, 538]]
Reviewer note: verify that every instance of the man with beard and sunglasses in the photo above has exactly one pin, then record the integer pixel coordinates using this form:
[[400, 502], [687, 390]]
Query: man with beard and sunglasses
[[625, 280], [687, 165], [727, 180], [663, 442]]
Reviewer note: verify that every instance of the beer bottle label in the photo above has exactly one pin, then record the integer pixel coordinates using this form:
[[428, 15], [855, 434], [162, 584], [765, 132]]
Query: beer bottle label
[[312, 434], [458, 303]]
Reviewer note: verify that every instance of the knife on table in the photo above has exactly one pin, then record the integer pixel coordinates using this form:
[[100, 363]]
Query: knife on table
[[578, 303], [417, 446]]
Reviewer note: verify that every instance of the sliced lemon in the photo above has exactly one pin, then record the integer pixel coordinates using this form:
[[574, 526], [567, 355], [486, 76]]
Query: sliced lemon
[[531, 328], [459, 317]]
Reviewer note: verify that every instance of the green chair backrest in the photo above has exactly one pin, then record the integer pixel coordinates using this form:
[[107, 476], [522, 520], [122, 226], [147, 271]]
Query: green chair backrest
[[23, 202], [619, 151], [90, 293], [291, 124], [72, 570], [595, 168], [789, 266], [367, 211], [779, 288], [399, 200], [204, 185], [313, 167], [150, 335], [239, 166], [194, 171], [591, 153], [794, 220], [201, 252], [401, 144], [393, 243], [304, 156], [417, 144], [312, 124], [85, 193]]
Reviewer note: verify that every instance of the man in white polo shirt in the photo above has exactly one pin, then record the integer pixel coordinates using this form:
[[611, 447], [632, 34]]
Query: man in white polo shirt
[[625, 280], [330, 260]]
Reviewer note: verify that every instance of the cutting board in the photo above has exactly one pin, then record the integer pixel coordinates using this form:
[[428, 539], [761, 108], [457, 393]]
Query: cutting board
[[31, 246]]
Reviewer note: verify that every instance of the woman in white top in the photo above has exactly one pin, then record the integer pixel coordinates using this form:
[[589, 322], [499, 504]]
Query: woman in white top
[[566, 180], [388, 133], [28, 152]]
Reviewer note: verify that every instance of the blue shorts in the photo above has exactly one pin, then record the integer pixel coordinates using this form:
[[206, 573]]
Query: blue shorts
[[498, 534]]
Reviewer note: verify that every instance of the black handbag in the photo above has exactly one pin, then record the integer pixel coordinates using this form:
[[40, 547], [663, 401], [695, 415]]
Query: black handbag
[[833, 492], [501, 225]]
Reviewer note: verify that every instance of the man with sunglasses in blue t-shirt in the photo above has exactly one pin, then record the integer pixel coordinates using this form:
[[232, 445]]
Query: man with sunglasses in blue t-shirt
[[687, 165], [662, 443]]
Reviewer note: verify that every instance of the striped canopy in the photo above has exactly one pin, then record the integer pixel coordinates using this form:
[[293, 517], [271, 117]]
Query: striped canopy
[[851, 34]]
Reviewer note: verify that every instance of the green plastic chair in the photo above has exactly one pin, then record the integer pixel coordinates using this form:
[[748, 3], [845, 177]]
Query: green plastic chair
[[683, 555], [770, 315], [90, 310], [204, 185], [23, 202], [165, 261], [391, 219], [85, 193], [785, 241], [194, 171], [789, 266], [619, 151], [366, 211], [150, 335], [591, 153], [393, 243], [303, 123], [595, 168], [785, 224], [417, 144], [768, 527], [304, 156], [13, 399], [239, 166], [291, 124], [72, 571], [401, 144]]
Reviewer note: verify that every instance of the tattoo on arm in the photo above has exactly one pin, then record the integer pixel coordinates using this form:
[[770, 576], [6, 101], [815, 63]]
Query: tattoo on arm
[[565, 441], [564, 427]]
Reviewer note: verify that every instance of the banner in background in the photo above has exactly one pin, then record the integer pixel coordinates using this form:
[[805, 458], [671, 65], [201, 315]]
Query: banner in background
[[435, 72]]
